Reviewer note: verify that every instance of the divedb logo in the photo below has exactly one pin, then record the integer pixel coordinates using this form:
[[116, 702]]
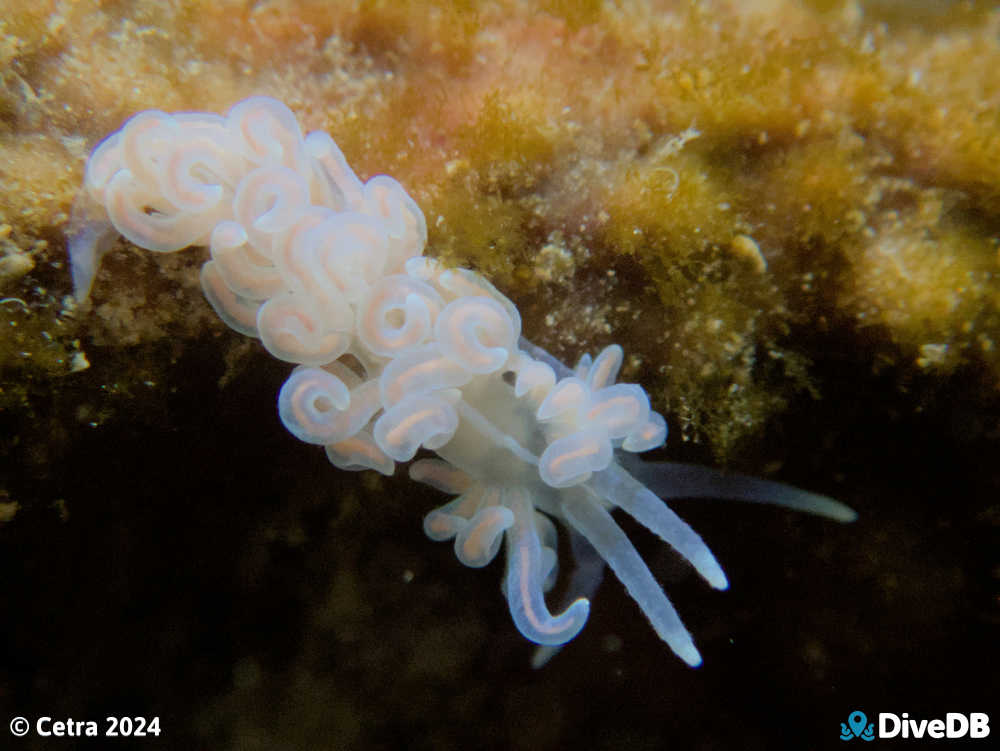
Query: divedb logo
[[974, 725]]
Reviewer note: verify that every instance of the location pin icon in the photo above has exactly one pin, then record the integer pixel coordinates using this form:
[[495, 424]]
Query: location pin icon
[[857, 720]]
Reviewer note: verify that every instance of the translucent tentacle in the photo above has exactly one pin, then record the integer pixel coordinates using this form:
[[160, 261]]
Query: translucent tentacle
[[589, 518], [446, 521], [676, 480], [441, 475], [477, 543], [538, 353], [585, 578], [624, 491], [524, 581]]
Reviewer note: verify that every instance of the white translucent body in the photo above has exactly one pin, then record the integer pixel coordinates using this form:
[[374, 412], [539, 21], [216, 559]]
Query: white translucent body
[[397, 354]]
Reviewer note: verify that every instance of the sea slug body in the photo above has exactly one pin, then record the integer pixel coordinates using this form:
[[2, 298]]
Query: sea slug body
[[395, 354]]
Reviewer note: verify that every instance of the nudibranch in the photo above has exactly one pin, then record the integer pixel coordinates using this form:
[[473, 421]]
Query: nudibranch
[[395, 353]]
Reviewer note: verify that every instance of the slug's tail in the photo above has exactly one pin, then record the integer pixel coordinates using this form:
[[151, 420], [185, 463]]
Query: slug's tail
[[89, 236]]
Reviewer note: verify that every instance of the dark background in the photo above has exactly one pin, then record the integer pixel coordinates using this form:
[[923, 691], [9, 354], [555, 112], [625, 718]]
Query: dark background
[[184, 557]]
